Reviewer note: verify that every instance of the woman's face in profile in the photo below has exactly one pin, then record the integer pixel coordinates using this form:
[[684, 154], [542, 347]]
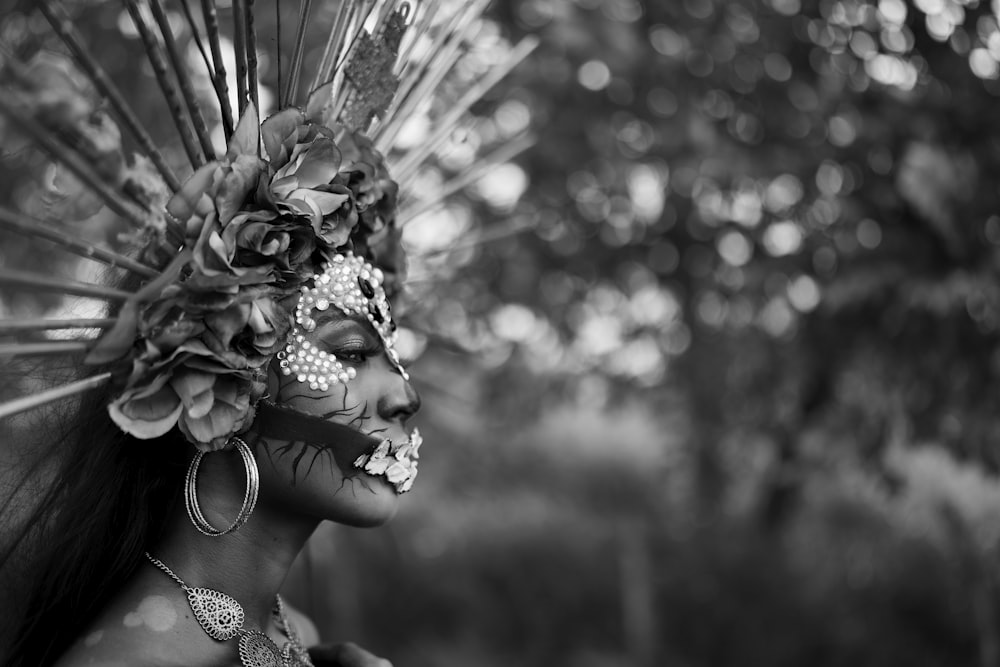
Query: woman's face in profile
[[320, 479]]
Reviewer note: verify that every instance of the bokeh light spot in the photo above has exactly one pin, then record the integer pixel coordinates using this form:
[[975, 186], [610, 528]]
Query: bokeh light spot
[[594, 75]]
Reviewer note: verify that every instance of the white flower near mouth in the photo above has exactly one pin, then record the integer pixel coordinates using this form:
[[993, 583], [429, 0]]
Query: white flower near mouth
[[379, 461], [397, 462], [397, 472]]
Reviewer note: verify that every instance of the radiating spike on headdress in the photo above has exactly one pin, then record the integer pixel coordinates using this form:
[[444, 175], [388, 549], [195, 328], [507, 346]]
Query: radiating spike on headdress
[[330, 49], [49, 395], [419, 27], [33, 325], [251, 46], [295, 67], [488, 236], [277, 40], [332, 73], [505, 153], [34, 282], [69, 158], [418, 82], [173, 96], [440, 55], [196, 37], [240, 49], [443, 340], [63, 27], [24, 224], [183, 79], [46, 348], [357, 29], [407, 165], [219, 71]]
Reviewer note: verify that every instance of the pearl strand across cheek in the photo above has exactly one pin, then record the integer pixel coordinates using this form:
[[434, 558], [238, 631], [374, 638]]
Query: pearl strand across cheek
[[317, 368]]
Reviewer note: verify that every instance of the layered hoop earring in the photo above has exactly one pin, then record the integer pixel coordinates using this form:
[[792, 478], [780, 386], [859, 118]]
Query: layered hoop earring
[[249, 498]]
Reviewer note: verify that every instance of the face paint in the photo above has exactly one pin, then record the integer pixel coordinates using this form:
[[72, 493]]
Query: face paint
[[353, 286]]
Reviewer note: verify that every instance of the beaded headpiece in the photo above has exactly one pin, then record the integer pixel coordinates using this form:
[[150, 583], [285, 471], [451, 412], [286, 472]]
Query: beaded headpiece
[[234, 263]]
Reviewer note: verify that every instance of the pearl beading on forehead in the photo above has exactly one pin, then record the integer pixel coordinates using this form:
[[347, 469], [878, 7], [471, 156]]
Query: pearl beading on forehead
[[353, 286]]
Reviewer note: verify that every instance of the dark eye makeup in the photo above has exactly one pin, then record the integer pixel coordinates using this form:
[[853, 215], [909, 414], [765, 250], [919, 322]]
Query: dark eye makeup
[[349, 339]]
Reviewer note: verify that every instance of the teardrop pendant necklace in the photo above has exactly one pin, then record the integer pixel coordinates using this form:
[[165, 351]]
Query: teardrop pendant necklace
[[221, 617]]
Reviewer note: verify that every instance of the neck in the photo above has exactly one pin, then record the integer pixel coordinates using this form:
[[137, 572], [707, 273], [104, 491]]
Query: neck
[[249, 564]]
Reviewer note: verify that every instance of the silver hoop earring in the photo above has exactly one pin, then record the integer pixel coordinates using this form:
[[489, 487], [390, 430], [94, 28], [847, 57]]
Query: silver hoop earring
[[249, 498]]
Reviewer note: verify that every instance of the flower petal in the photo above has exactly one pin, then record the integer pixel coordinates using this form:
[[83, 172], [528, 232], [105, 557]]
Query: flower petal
[[185, 201], [276, 128], [195, 391], [238, 181], [320, 163], [149, 417], [246, 137]]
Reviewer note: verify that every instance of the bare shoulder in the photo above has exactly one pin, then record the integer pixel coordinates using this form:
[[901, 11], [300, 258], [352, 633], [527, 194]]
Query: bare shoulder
[[151, 630]]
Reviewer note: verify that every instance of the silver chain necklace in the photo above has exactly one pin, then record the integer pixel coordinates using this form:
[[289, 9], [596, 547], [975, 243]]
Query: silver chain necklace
[[221, 617]]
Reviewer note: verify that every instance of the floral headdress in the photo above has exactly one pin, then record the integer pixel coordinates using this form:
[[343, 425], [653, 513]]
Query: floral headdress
[[256, 231], [298, 215]]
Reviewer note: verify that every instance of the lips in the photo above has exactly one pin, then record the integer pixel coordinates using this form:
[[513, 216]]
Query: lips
[[397, 462]]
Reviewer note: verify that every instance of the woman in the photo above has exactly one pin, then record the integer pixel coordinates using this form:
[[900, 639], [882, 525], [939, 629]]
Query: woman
[[245, 385], [252, 346], [326, 439]]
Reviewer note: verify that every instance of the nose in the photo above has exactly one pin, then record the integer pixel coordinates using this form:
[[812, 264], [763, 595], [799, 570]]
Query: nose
[[400, 400]]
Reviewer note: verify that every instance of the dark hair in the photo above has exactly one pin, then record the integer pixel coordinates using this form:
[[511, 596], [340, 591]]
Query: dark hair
[[108, 502]]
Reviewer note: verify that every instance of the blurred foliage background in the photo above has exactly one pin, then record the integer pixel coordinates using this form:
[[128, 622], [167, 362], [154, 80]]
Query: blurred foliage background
[[710, 372]]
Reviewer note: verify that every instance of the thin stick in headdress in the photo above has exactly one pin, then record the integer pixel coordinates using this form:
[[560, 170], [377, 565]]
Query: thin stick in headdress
[[425, 13], [73, 161], [333, 42], [48, 348], [240, 49], [295, 69], [419, 82], [63, 27], [170, 92], [346, 55], [24, 224], [196, 38], [440, 55], [359, 27], [32, 325], [338, 46], [183, 80], [219, 72], [408, 164], [507, 152], [488, 236], [49, 395], [34, 282], [251, 45]]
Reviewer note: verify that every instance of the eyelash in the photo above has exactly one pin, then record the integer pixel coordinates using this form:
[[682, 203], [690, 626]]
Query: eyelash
[[354, 356], [354, 352]]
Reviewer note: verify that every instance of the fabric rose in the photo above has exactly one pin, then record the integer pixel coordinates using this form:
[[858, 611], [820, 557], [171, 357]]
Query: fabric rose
[[306, 162], [206, 400]]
